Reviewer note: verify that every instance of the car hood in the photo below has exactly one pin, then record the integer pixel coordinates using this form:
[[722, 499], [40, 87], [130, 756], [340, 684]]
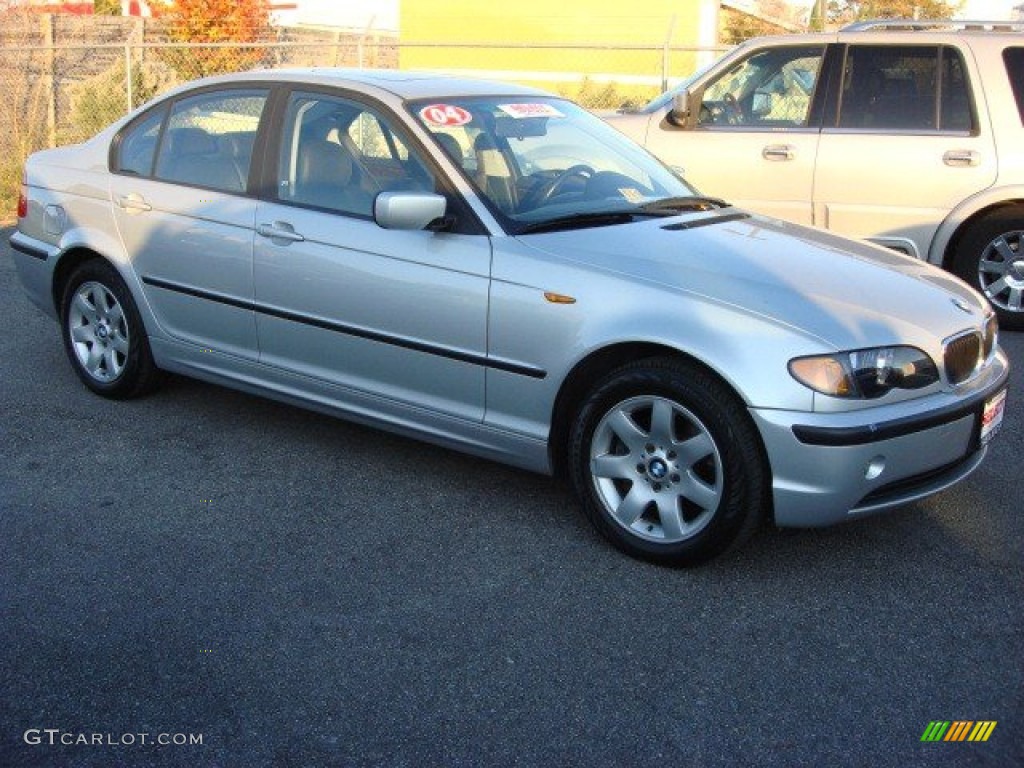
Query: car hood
[[847, 293]]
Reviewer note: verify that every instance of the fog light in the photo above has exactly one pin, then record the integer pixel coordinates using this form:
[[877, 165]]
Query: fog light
[[875, 468]]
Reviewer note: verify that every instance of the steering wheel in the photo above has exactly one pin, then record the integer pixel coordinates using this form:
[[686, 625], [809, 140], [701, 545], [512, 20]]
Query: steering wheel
[[550, 188], [732, 108]]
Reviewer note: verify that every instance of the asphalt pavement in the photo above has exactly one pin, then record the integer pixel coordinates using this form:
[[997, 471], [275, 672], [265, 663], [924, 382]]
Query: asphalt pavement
[[204, 578]]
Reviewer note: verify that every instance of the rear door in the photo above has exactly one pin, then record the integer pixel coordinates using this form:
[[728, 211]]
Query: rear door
[[179, 193], [905, 143]]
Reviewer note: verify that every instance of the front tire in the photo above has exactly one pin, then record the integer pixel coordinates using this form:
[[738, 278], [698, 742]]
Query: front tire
[[667, 463], [990, 257], [103, 334]]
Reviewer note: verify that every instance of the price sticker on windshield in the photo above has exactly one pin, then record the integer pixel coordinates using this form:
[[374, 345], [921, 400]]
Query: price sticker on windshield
[[445, 116], [992, 416], [522, 111]]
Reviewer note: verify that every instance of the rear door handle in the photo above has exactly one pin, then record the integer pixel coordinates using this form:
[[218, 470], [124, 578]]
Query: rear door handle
[[281, 231], [133, 202], [961, 158], [779, 152]]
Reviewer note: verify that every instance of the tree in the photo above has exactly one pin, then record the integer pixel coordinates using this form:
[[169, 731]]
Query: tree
[[216, 21], [845, 11], [771, 18], [106, 7]]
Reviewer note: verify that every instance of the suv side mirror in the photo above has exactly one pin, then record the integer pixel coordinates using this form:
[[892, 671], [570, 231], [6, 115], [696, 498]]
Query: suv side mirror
[[761, 104], [681, 107]]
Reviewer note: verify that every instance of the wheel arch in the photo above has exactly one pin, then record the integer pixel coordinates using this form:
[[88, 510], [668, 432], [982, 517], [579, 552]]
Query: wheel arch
[[69, 261], [595, 366], [952, 233]]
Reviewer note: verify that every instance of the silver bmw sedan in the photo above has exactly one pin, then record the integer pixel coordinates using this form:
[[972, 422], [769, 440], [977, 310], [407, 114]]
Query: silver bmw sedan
[[491, 268]]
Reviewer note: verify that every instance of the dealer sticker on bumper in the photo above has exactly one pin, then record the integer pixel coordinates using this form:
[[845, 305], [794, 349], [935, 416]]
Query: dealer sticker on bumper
[[992, 416]]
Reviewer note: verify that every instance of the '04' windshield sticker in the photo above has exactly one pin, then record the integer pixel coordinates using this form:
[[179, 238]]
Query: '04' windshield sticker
[[445, 116]]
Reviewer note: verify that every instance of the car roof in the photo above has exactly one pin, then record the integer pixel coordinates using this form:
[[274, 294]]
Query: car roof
[[404, 85]]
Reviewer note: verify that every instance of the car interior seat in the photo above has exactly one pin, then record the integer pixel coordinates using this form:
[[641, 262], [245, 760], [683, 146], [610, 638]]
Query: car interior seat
[[493, 174], [192, 156], [325, 177]]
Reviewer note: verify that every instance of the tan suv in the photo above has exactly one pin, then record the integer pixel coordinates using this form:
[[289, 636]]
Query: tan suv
[[909, 134]]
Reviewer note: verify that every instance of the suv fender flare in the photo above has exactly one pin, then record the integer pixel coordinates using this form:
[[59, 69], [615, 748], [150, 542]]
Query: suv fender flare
[[966, 212]]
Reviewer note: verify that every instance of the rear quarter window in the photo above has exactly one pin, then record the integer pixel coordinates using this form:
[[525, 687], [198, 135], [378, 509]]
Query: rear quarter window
[[1014, 60], [137, 148]]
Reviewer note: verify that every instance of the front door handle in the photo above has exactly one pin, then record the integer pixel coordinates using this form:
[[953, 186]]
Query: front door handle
[[778, 152], [133, 202], [281, 231]]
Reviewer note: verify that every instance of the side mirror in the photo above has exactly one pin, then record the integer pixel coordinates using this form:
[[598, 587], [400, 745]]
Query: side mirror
[[681, 106], [761, 104], [408, 210]]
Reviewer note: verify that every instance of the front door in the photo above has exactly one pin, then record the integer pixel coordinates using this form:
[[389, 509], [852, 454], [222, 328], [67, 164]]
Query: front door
[[755, 140], [398, 316]]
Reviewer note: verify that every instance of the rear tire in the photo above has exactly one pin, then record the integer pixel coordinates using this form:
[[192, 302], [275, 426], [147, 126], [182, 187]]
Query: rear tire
[[991, 258], [667, 463], [103, 334]]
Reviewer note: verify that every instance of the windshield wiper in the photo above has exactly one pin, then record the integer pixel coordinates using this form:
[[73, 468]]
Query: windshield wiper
[[688, 203], [579, 220], [665, 207]]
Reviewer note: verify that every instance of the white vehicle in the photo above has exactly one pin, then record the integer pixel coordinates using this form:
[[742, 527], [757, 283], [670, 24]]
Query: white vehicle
[[909, 134]]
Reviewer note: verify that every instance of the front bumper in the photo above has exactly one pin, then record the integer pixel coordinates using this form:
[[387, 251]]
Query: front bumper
[[830, 467]]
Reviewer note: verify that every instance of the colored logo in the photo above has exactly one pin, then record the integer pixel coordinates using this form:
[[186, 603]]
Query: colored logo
[[959, 730]]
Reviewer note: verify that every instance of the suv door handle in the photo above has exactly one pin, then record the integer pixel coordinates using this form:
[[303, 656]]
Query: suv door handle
[[280, 230], [133, 202], [961, 158], [779, 152]]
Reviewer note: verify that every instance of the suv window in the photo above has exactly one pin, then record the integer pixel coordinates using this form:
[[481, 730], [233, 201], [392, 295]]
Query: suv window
[[338, 154], [905, 87], [1014, 60], [771, 88], [209, 138]]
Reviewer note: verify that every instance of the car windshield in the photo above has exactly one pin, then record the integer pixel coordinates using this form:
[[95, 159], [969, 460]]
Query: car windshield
[[547, 163]]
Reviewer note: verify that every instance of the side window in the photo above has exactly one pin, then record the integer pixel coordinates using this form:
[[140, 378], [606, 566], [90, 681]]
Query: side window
[[137, 150], [374, 140], [209, 139], [898, 87], [772, 88], [338, 154], [954, 92], [1014, 60]]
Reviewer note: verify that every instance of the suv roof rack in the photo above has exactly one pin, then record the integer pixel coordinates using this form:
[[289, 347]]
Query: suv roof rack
[[931, 24]]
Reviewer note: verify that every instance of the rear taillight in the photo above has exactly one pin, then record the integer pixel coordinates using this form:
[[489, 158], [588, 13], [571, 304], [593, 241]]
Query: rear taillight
[[23, 200]]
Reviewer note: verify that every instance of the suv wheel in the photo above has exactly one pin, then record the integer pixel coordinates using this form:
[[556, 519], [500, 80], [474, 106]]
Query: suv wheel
[[991, 258]]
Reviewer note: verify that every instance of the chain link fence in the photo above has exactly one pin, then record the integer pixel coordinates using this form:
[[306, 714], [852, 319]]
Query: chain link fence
[[63, 94]]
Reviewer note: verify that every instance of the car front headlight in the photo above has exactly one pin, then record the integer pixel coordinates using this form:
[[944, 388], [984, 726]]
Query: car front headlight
[[865, 373]]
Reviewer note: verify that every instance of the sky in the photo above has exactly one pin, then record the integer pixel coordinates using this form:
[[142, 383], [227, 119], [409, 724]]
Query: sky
[[995, 10], [379, 15]]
